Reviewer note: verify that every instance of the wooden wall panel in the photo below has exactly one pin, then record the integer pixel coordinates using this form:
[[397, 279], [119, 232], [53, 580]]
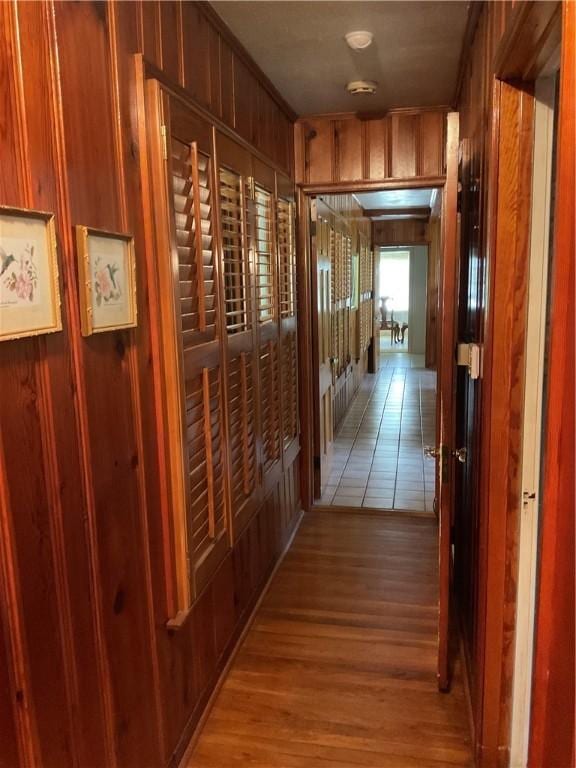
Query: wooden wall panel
[[405, 144], [93, 675], [400, 232], [150, 42], [348, 149], [377, 149], [90, 148], [170, 21], [196, 42]]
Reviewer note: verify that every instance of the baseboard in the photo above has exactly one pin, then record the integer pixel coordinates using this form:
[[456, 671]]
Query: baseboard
[[193, 729]]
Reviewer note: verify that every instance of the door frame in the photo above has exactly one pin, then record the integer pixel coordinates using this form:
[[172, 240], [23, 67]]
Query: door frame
[[305, 267], [521, 58]]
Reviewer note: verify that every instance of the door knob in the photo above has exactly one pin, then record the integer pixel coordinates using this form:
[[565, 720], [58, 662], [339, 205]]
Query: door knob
[[460, 454], [431, 452]]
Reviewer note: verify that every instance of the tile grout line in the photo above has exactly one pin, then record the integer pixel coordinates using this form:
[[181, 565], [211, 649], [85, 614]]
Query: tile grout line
[[377, 436]]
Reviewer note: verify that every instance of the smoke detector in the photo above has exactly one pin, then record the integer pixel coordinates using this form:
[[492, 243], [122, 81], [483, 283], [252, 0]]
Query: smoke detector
[[359, 40], [366, 87]]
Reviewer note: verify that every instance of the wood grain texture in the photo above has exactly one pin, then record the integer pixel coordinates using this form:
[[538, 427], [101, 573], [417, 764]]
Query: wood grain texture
[[496, 123], [92, 675], [405, 144], [552, 736], [338, 667]]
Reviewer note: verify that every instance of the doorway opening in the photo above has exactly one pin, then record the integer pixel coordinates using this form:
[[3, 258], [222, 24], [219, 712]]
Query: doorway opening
[[375, 261]]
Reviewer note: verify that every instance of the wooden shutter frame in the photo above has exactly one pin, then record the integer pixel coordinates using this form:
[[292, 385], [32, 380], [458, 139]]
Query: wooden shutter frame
[[184, 580], [234, 158]]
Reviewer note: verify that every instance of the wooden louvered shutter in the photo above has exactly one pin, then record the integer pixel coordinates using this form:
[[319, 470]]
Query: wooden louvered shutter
[[237, 234], [267, 311], [191, 348], [286, 250]]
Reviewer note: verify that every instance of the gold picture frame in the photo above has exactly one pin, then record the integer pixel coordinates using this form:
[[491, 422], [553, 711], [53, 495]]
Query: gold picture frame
[[107, 275], [29, 280]]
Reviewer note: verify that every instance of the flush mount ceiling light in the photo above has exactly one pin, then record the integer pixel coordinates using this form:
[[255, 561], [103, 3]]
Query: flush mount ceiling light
[[366, 87], [359, 40]]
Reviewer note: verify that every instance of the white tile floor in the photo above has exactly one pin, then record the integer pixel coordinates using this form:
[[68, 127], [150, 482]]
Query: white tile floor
[[378, 459]]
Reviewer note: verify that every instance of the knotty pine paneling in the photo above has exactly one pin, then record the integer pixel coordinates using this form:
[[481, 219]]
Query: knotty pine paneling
[[93, 676], [405, 144]]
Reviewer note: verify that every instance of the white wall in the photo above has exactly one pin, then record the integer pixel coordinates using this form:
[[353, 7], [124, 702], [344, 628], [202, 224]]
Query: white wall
[[417, 311]]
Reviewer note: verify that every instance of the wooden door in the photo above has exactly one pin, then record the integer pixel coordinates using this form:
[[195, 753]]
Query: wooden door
[[192, 381], [320, 250], [445, 445]]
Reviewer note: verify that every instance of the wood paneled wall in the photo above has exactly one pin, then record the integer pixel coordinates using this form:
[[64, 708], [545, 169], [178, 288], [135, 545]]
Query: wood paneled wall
[[90, 672], [343, 234], [404, 144], [400, 232], [510, 42]]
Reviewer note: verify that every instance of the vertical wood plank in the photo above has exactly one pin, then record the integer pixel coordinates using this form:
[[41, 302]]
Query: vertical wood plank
[[151, 31], [227, 83], [432, 132], [319, 148], [348, 149], [195, 37], [404, 130], [378, 149], [171, 38]]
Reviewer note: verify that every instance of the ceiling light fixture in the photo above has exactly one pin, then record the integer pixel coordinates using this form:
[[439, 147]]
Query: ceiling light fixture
[[363, 87], [359, 40]]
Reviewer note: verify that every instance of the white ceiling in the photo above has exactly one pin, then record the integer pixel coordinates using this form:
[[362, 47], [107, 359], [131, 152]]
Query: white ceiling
[[396, 199], [301, 47]]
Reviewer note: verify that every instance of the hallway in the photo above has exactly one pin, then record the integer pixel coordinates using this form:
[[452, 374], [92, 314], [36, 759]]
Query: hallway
[[378, 459], [339, 666]]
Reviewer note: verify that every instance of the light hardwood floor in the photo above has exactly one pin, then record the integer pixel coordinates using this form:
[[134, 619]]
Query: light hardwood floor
[[338, 668]]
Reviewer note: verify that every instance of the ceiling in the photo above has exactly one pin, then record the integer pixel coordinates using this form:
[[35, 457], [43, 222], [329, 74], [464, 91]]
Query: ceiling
[[300, 46], [397, 203]]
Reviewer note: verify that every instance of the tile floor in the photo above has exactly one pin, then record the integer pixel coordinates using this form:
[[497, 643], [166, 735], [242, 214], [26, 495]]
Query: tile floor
[[378, 459]]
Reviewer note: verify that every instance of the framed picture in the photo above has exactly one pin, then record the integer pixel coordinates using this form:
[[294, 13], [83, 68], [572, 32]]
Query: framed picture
[[106, 267], [29, 291]]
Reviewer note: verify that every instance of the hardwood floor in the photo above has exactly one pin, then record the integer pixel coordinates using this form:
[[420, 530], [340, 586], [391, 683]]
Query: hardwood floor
[[339, 667]]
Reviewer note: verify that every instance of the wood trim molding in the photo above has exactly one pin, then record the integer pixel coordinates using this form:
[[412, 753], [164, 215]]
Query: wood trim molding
[[376, 115], [531, 35], [552, 718], [502, 403], [365, 185]]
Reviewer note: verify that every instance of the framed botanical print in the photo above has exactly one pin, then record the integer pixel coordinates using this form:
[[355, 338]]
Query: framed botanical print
[[107, 272], [29, 291]]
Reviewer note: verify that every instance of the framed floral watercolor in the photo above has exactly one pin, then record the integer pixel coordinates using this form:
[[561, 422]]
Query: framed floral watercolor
[[107, 270], [29, 290]]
